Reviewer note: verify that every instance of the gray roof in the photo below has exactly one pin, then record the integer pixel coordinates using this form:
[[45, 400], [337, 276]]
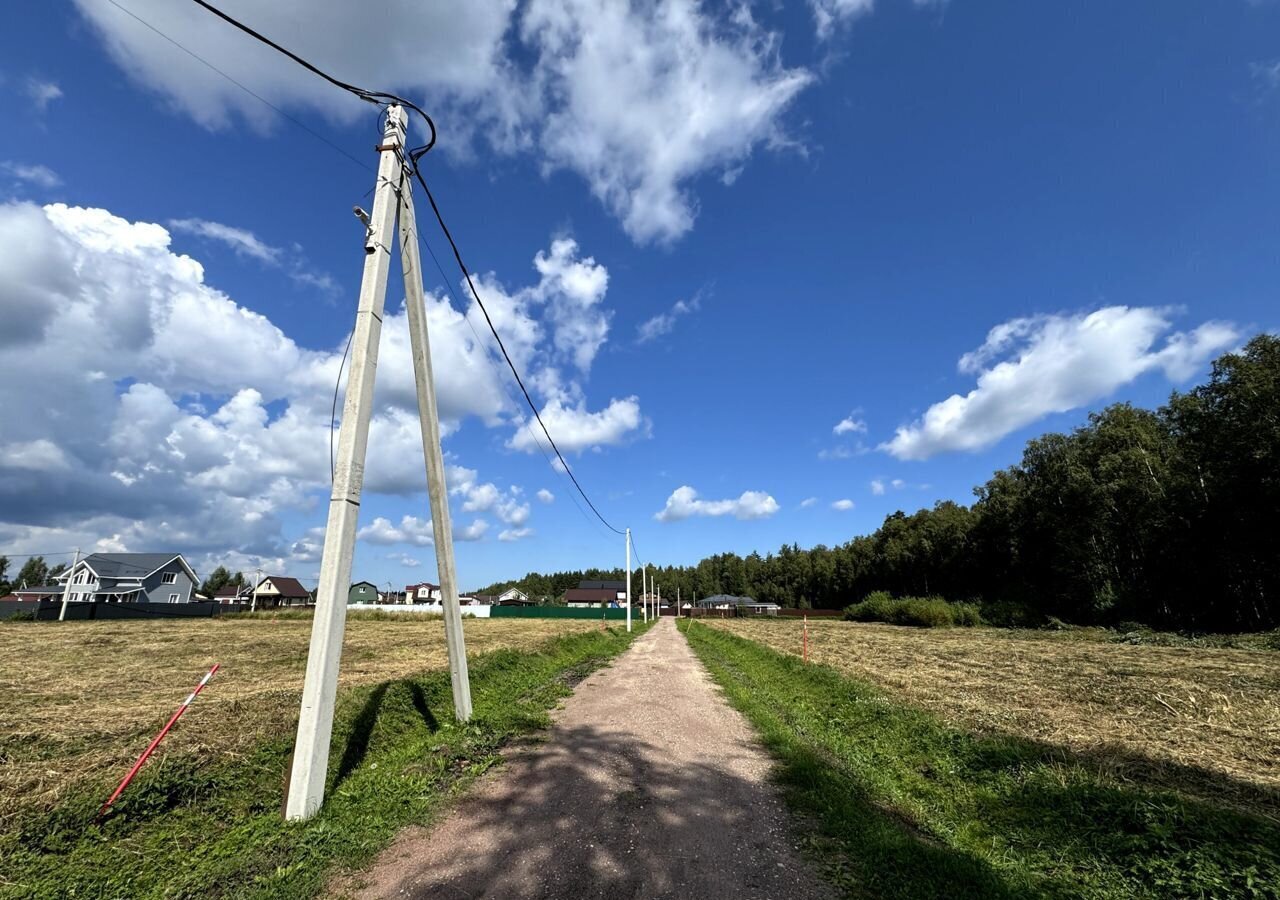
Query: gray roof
[[731, 600], [127, 565]]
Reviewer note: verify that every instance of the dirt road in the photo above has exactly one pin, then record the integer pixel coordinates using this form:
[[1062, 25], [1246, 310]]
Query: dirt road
[[647, 786]]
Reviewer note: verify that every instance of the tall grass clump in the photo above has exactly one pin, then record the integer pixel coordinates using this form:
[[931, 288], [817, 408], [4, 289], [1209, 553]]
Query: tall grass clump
[[922, 612]]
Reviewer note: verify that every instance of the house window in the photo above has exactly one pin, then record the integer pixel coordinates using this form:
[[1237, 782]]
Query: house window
[[82, 577], [169, 578], [174, 598]]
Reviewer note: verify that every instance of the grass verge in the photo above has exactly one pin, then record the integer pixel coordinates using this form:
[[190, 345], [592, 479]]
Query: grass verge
[[397, 756], [906, 806]]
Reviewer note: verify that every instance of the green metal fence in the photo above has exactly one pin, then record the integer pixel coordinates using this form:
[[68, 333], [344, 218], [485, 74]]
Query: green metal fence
[[559, 612]]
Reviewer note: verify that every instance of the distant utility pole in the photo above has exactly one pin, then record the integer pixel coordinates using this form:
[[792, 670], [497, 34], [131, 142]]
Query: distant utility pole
[[66, 590], [253, 599], [644, 591], [315, 723], [628, 580]]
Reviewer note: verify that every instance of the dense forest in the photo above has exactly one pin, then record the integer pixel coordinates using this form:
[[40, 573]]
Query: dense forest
[[1165, 517]]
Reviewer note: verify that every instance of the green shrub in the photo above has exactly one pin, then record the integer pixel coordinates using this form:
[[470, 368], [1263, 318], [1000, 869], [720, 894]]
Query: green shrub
[[922, 612], [1007, 613]]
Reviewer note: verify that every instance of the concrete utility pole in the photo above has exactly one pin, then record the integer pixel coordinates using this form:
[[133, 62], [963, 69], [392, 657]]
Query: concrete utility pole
[[66, 589], [253, 600], [429, 421], [315, 722], [628, 580]]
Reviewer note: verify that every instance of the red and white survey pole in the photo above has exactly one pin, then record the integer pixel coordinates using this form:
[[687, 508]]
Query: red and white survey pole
[[146, 754]]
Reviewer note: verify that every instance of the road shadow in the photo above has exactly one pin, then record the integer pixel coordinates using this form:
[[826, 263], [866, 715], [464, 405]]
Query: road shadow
[[593, 813]]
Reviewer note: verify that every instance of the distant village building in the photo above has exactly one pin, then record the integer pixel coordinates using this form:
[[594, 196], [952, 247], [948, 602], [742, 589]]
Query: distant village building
[[744, 606], [234, 593], [426, 592], [513, 597], [363, 592], [596, 593], [278, 591], [122, 578]]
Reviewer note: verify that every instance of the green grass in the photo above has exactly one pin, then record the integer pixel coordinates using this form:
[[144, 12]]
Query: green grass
[[904, 806], [398, 755]]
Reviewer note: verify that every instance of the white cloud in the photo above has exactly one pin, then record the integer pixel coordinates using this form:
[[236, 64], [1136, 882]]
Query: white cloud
[[842, 505], [40, 176], [575, 428], [898, 484], [211, 436], [545, 496], [473, 532], [877, 487], [850, 425], [42, 92], [481, 498], [243, 242], [37, 456], [684, 503], [638, 99], [663, 323], [411, 530], [407, 561], [1031, 367], [808, 502], [515, 534], [827, 14]]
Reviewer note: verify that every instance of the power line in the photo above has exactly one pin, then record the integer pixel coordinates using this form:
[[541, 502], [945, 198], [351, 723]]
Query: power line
[[250, 92], [380, 97], [528, 424], [457, 255]]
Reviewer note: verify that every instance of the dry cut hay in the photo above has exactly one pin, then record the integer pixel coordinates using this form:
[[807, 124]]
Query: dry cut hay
[[80, 700], [1202, 721]]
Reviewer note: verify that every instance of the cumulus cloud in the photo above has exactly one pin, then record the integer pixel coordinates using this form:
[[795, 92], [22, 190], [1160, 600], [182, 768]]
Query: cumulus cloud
[[850, 425], [172, 416], [411, 530], [545, 496], [877, 487], [664, 323], [473, 532], [684, 503], [808, 502], [515, 534], [575, 428], [637, 99], [842, 505], [1031, 367]]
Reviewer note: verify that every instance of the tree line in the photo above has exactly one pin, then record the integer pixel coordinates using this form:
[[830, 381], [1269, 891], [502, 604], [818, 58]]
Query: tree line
[[1166, 517]]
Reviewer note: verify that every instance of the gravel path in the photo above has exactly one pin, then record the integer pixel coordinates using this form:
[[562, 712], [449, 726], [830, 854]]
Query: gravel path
[[648, 785]]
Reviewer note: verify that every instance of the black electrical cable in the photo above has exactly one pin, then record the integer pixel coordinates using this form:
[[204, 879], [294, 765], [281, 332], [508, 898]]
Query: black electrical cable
[[265, 102], [375, 97], [457, 255], [415, 154]]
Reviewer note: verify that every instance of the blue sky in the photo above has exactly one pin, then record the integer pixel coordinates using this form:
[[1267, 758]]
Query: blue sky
[[950, 226]]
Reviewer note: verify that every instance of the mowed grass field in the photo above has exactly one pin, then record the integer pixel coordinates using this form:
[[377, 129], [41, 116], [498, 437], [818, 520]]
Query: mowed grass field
[[1201, 720], [80, 700], [982, 763]]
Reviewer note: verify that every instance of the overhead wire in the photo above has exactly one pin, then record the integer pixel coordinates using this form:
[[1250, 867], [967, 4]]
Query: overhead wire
[[414, 155]]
